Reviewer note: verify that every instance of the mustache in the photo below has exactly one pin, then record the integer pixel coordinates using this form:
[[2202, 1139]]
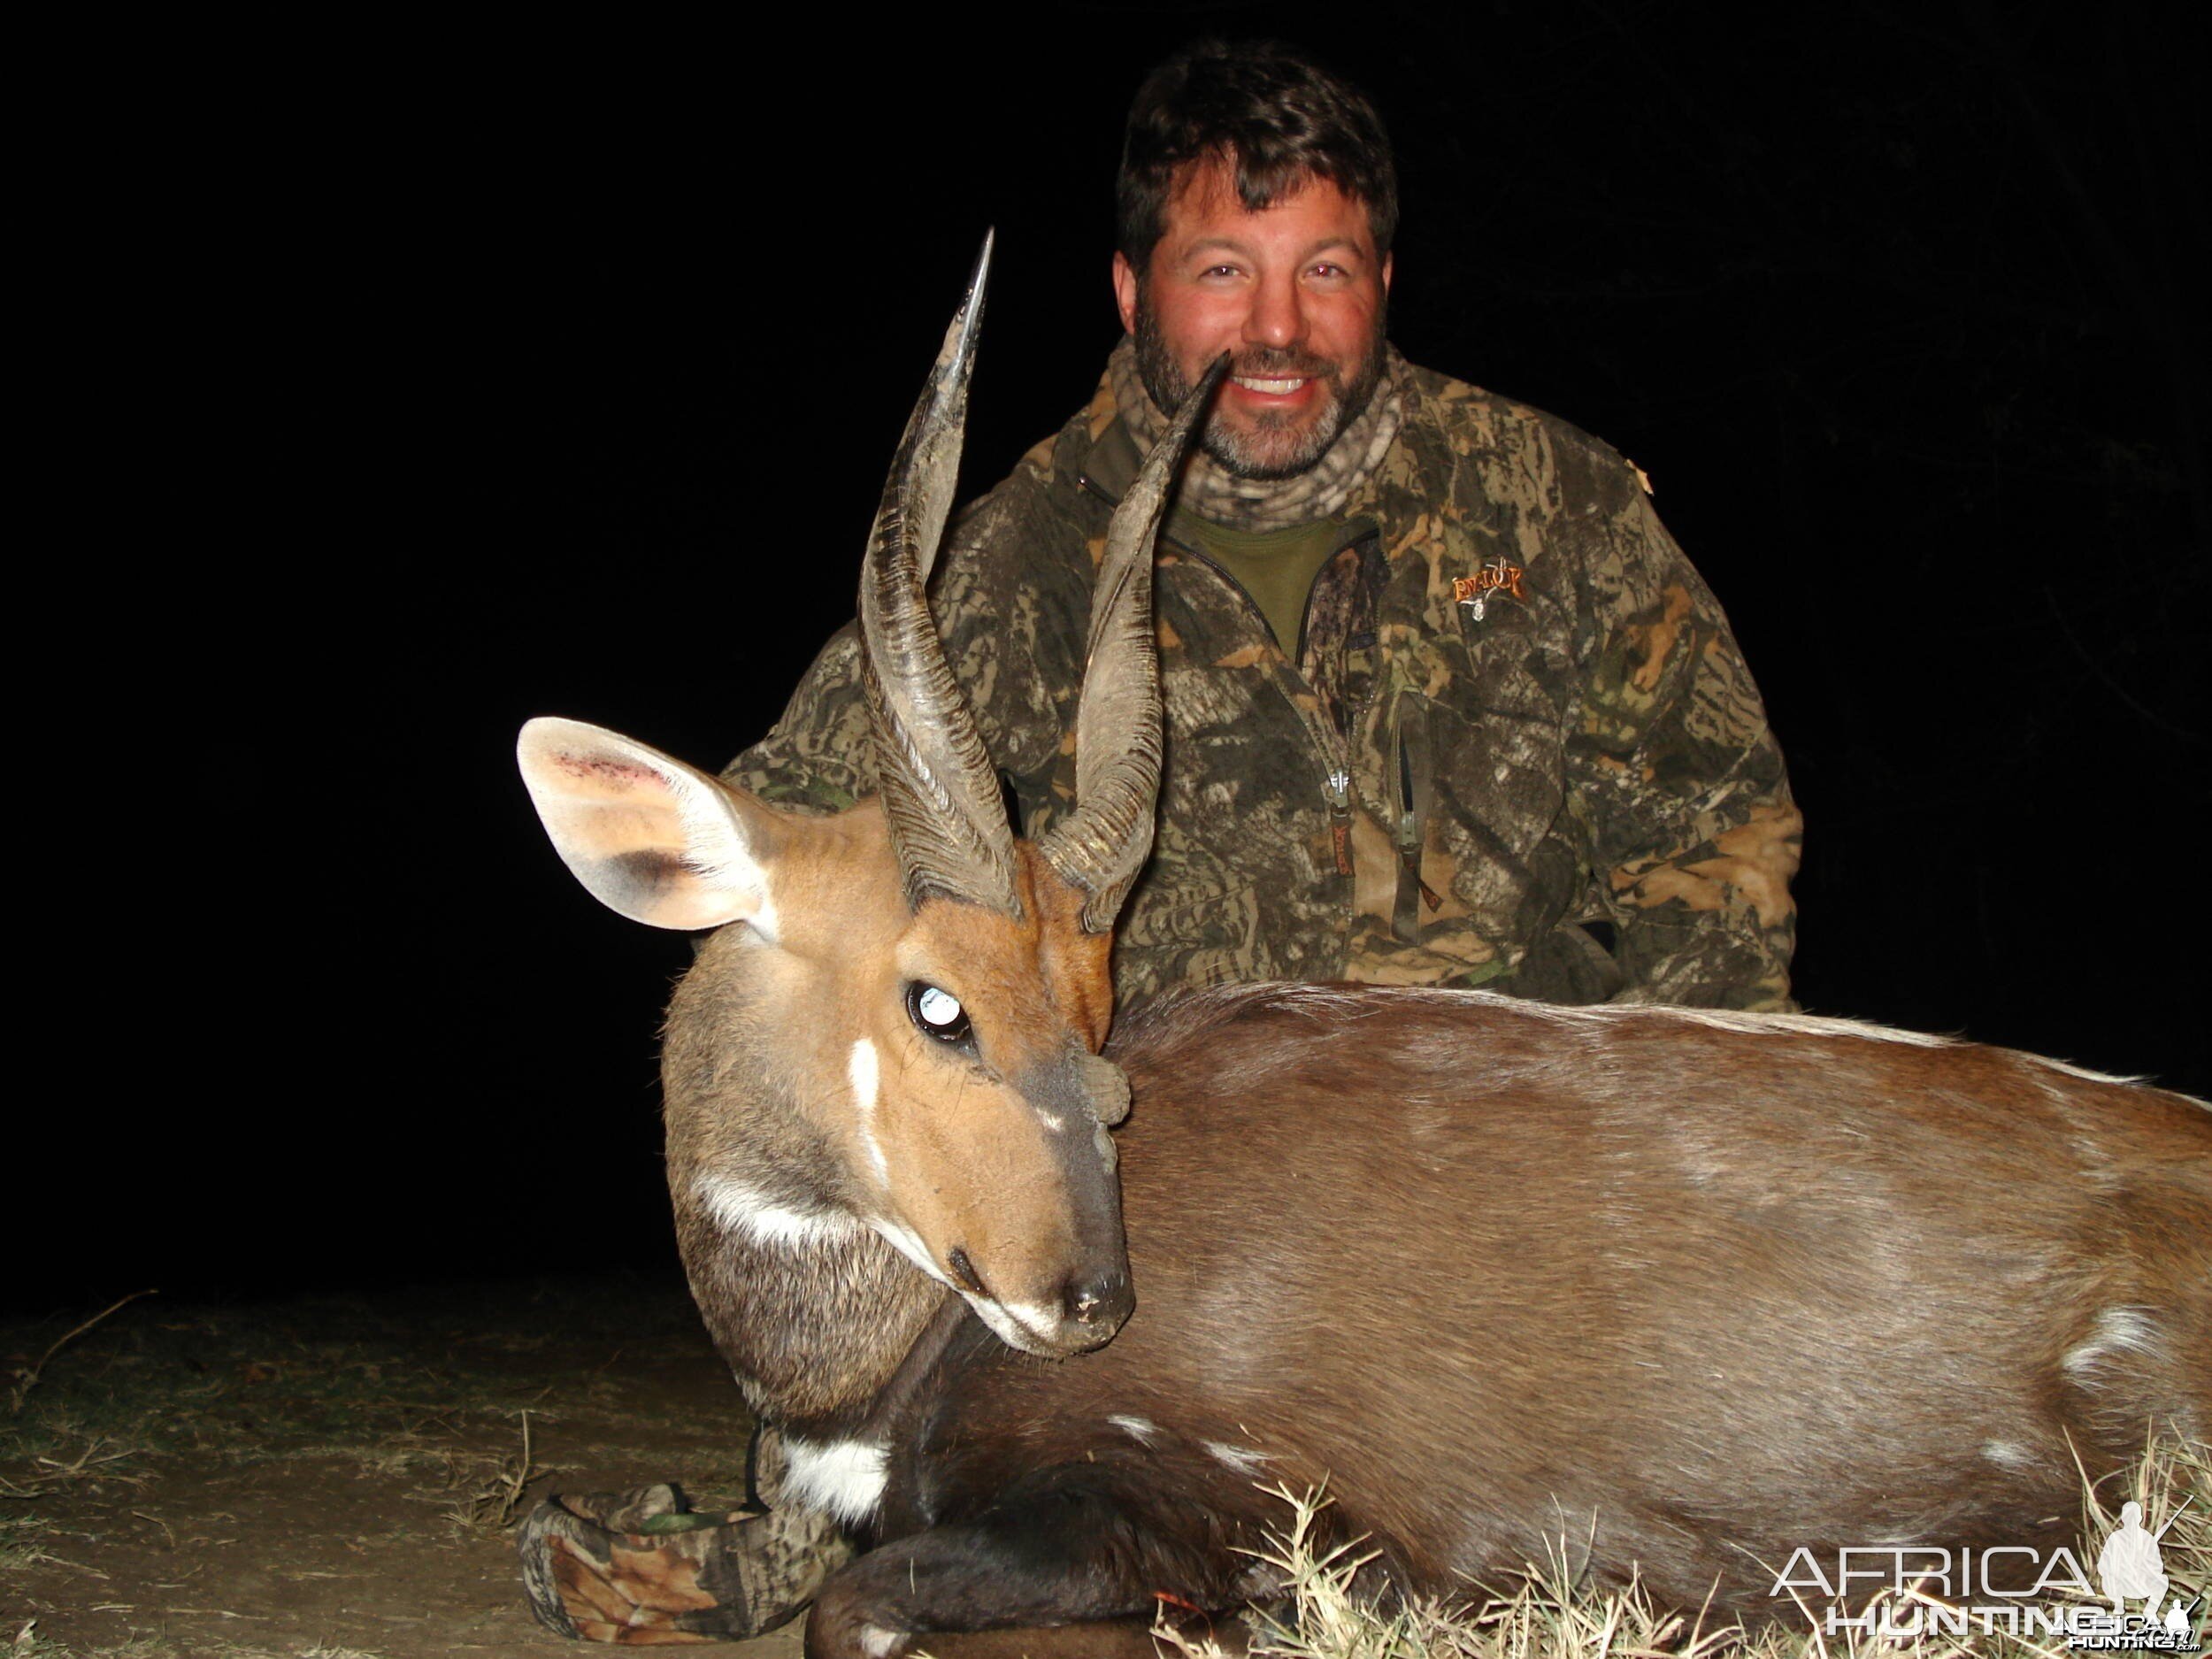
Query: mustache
[[1272, 363]]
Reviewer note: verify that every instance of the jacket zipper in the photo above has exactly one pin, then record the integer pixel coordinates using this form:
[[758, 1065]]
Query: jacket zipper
[[1338, 786], [1408, 836], [1336, 780]]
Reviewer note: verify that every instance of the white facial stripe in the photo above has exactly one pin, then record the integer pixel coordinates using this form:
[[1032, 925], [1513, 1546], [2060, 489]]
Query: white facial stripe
[[846, 1477], [740, 1207], [866, 1072], [1144, 1431]]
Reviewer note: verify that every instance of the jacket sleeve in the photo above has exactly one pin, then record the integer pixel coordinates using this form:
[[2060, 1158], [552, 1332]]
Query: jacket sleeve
[[1001, 603], [1685, 806]]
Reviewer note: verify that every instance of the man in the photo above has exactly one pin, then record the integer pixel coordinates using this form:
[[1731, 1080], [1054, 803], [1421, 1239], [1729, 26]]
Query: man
[[1445, 704]]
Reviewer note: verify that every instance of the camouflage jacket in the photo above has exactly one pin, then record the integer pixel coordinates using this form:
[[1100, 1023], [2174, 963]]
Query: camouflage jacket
[[1516, 712]]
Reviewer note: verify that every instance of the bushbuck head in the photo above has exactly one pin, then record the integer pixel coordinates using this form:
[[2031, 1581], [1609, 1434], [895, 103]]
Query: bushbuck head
[[897, 1028]]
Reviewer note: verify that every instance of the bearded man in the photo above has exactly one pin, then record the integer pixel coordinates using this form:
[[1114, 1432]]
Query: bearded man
[[1445, 704]]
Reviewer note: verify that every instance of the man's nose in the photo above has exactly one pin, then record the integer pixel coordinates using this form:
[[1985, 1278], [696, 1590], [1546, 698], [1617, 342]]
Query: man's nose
[[1276, 317]]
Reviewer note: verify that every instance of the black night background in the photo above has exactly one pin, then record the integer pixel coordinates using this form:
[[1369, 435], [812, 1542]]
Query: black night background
[[440, 376]]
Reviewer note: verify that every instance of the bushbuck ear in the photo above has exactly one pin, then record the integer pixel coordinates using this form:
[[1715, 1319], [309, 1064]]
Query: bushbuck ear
[[647, 835]]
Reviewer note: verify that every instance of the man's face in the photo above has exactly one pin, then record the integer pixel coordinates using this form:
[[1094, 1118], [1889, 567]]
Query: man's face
[[1295, 293]]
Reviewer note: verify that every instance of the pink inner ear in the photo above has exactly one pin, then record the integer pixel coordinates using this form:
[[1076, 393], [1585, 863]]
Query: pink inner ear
[[618, 775]]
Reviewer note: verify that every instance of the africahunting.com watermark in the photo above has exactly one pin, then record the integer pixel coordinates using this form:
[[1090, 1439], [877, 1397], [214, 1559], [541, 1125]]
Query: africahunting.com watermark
[[1924, 1590]]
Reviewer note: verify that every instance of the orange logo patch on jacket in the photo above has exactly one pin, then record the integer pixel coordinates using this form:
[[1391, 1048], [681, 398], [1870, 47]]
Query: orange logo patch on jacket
[[1496, 577]]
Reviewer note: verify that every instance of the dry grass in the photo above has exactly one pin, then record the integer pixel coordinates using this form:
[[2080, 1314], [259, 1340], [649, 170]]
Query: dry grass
[[24, 1539], [489, 1502], [96, 1459], [30, 1643], [337, 1376], [1549, 1616], [26, 1377]]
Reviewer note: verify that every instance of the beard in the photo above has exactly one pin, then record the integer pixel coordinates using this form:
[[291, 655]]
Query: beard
[[1275, 446]]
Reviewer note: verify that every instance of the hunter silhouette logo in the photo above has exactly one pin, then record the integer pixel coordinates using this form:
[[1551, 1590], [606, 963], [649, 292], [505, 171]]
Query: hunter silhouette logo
[[2129, 1568], [1496, 577]]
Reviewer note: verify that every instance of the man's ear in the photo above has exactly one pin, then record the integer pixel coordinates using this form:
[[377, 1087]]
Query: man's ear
[[1126, 292], [1385, 272]]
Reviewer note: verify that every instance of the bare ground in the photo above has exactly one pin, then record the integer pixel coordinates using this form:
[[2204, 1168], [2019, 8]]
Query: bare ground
[[336, 1477]]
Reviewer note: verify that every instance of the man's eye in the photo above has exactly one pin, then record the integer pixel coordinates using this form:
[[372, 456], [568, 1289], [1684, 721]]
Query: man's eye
[[937, 1013]]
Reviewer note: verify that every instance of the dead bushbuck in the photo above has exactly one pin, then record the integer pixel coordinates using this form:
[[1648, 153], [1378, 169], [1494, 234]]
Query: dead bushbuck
[[1686, 1291]]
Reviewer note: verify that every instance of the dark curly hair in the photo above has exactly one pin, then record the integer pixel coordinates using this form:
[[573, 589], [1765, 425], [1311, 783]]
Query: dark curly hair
[[1281, 117]]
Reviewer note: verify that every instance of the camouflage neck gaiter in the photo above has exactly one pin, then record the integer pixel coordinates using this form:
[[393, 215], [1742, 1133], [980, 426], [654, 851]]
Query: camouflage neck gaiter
[[1252, 503]]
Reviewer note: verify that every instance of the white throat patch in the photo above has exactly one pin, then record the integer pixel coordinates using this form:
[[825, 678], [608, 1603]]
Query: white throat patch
[[740, 1208], [845, 1477]]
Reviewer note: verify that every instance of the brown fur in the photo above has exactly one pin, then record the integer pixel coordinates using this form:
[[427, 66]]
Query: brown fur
[[1673, 1298], [1678, 1292]]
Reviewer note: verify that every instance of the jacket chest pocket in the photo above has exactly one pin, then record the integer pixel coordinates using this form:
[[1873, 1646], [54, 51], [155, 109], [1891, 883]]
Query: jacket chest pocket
[[1468, 768]]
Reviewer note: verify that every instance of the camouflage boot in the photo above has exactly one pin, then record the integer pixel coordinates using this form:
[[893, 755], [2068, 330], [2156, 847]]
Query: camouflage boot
[[638, 1567]]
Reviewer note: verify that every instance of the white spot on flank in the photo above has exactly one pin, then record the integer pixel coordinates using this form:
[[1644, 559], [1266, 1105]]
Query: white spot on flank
[[2115, 1331], [865, 1072], [879, 1643], [1144, 1431], [2008, 1454], [1243, 1459], [740, 1207], [845, 1477]]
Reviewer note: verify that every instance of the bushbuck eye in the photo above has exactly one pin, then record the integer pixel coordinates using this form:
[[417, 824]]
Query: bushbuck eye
[[938, 1013]]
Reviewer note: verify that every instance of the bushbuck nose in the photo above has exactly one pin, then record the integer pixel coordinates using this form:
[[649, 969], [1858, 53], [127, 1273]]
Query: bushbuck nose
[[1097, 1305]]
